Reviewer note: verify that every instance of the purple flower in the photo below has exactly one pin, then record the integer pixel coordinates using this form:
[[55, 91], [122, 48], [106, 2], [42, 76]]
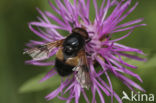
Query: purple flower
[[102, 49]]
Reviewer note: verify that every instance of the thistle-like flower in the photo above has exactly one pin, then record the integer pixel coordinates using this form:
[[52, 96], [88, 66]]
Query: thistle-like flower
[[101, 50]]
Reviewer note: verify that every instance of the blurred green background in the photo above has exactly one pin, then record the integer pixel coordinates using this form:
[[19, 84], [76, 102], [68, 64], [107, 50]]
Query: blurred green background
[[14, 34]]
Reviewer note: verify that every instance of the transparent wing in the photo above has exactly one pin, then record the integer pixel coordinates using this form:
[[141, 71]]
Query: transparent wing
[[42, 52], [82, 75]]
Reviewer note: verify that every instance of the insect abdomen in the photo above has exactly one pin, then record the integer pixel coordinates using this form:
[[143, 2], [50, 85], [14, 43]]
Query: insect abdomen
[[62, 68]]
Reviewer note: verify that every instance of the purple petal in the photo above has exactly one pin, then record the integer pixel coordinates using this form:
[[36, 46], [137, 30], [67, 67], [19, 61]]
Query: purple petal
[[54, 93], [128, 85], [100, 94], [58, 90], [88, 6], [131, 56], [93, 93], [122, 37], [39, 63], [105, 11], [33, 43], [77, 90], [69, 87], [102, 88], [122, 62], [43, 15], [68, 101], [131, 10], [130, 23], [116, 96], [96, 8], [38, 33], [85, 96], [53, 7], [51, 73], [45, 25], [126, 48], [50, 15], [130, 82], [129, 28]]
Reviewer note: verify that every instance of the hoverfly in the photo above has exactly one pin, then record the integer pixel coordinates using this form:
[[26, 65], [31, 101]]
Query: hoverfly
[[70, 57]]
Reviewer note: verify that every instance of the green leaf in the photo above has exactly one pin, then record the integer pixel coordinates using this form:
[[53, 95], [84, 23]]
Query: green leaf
[[33, 85]]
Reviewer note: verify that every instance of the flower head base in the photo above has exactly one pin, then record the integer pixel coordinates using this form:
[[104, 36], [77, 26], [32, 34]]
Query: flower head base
[[101, 49]]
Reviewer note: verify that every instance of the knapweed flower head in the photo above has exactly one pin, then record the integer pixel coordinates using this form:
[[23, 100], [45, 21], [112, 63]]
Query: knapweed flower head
[[104, 53]]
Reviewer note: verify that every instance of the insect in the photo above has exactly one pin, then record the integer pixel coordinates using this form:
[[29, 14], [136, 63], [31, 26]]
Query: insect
[[70, 57]]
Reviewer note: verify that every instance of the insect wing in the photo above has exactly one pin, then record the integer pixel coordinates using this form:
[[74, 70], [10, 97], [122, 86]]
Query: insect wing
[[37, 54], [82, 75], [42, 52]]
